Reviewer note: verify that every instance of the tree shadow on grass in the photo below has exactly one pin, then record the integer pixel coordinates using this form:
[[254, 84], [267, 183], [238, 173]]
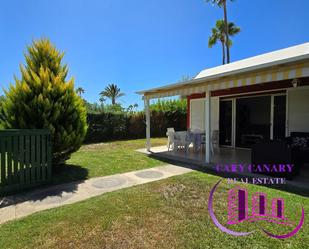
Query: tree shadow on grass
[[69, 173], [64, 183]]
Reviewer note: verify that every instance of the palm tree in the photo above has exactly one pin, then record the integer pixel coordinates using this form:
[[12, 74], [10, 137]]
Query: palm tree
[[222, 3], [218, 34], [102, 100], [112, 91], [130, 108], [80, 91]]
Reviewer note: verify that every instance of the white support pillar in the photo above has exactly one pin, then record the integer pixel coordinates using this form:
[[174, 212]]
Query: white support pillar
[[147, 114], [207, 127]]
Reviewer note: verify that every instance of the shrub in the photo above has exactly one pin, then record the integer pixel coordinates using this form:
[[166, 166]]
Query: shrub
[[1, 115], [106, 126], [111, 126], [43, 98], [170, 105]]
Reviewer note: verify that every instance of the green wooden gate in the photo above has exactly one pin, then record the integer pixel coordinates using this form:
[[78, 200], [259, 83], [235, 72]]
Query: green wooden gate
[[25, 159]]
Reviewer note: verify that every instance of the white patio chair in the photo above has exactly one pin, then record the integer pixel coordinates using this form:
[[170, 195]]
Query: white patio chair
[[201, 141], [214, 140], [170, 138]]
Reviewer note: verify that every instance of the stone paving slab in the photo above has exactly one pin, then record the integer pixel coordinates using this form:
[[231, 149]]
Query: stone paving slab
[[18, 206]]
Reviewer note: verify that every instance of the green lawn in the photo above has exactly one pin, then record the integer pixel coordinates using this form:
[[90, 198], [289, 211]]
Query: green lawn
[[106, 159], [171, 213]]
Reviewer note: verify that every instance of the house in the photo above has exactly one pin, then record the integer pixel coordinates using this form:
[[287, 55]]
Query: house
[[261, 97]]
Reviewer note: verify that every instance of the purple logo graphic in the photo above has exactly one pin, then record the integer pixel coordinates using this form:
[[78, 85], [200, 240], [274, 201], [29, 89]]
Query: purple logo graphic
[[238, 208], [238, 212]]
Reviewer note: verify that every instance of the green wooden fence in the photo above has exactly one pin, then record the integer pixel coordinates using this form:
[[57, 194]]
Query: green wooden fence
[[25, 159]]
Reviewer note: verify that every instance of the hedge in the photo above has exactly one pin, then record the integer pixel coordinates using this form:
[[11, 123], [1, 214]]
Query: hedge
[[115, 126]]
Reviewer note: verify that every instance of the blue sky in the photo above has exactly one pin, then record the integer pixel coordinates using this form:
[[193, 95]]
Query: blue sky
[[140, 44]]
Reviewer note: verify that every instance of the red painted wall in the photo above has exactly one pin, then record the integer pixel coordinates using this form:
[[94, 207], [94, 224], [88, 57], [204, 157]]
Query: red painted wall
[[192, 96]]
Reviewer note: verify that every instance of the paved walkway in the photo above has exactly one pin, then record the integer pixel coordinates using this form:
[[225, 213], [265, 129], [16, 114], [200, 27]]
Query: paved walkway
[[55, 196]]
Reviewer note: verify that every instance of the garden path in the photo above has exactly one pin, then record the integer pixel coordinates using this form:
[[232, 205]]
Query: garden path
[[21, 205]]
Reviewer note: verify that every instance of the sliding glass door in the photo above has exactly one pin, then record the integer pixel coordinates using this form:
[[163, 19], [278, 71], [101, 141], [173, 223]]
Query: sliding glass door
[[252, 120], [243, 121], [279, 116], [225, 122]]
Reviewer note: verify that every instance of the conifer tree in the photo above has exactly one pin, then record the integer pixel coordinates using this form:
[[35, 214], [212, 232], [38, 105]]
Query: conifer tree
[[44, 99]]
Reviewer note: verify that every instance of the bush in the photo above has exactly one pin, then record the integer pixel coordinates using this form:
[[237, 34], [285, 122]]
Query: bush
[[172, 105], [44, 99], [130, 125], [112, 126], [106, 126]]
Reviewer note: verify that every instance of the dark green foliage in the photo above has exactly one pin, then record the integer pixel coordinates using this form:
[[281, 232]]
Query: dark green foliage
[[113, 126], [44, 99], [1, 115], [106, 126]]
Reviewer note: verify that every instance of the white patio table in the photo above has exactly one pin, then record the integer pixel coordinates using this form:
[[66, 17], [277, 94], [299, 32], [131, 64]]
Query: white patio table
[[183, 139]]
